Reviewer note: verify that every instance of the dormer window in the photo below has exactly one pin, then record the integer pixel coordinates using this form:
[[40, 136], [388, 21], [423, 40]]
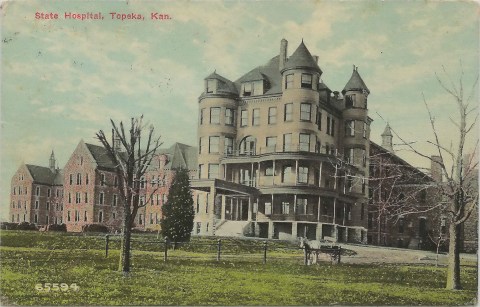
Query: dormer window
[[306, 81], [247, 89], [210, 86]]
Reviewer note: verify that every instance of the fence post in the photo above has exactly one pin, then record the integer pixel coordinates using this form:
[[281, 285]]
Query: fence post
[[264, 252], [305, 256], [339, 254], [165, 256], [107, 239], [219, 248]]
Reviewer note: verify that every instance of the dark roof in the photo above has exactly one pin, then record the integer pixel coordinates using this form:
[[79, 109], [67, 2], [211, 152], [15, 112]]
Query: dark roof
[[101, 156], [181, 156], [302, 58], [224, 85], [355, 83], [44, 175], [270, 72]]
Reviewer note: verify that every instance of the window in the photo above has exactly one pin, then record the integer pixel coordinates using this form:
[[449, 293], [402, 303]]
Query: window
[[272, 115], [364, 185], [198, 203], [287, 142], [213, 144], [37, 191], [301, 205], [49, 193], [202, 116], [164, 198], [77, 198], [349, 155], [200, 145], [401, 225], [36, 204], [304, 142], [115, 181], [102, 179], [286, 173], [319, 120], [142, 201], [87, 181], [71, 179], [271, 143], [306, 81], [362, 211], [206, 207], [48, 205], [115, 199], [305, 111], [69, 198], [303, 174], [268, 208], [86, 197], [365, 127], [212, 171], [349, 101], [288, 112], [330, 126], [443, 225], [229, 116], [151, 218], [142, 182], [244, 118], [101, 198], [206, 228], [228, 146], [200, 168], [57, 192], [289, 81], [68, 216], [256, 117], [247, 89], [100, 216], [85, 216], [350, 128], [199, 225], [79, 178], [35, 219], [269, 169], [214, 115], [210, 86], [285, 207]]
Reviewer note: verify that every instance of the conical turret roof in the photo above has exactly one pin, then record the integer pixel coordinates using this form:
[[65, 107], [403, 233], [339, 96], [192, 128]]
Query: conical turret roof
[[355, 83], [387, 131], [302, 58]]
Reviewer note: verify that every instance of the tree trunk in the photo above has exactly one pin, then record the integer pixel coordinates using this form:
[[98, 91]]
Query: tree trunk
[[453, 270], [125, 256]]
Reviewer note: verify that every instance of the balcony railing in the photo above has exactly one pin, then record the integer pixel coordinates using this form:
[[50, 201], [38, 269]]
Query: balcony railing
[[270, 149]]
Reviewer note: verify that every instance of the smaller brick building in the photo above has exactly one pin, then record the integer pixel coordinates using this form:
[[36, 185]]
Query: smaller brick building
[[36, 194]]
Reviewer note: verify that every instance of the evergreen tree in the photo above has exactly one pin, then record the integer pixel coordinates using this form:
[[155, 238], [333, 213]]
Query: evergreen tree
[[178, 212]]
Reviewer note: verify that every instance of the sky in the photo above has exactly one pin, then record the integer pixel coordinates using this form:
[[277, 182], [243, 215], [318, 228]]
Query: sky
[[63, 79]]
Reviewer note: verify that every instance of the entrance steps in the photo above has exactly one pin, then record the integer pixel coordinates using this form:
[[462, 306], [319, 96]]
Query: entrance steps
[[228, 228]]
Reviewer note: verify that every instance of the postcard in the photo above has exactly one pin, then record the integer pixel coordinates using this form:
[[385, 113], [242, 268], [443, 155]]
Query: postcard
[[239, 153]]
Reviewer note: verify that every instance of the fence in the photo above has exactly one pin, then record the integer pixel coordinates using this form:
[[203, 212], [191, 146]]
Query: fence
[[228, 250]]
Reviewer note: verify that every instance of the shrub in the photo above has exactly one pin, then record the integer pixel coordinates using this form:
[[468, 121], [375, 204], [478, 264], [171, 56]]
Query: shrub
[[94, 228], [57, 227], [26, 226]]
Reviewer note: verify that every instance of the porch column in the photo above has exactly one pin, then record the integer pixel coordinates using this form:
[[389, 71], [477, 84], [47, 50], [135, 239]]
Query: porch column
[[257, 178], [225, 172], [296, 172], [319, 208], [294, 204], [249, 218], [343, 222], [273, 177], [335, 232], [270, 230], [251, 178], [224, 204], [320, 174], [236, 210], [334, 209], [318, 233], [294, 230]]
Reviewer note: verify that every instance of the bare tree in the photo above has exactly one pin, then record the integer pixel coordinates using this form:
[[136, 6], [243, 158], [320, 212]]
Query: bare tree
[[458, 191], [132, 156]]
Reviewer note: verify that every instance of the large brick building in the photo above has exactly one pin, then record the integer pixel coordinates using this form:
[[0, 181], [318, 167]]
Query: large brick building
[[86, 190], [281, 155]]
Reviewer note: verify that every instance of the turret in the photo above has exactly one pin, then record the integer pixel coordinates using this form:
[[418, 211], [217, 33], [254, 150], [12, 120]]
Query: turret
[[387, 138], [51, 163]]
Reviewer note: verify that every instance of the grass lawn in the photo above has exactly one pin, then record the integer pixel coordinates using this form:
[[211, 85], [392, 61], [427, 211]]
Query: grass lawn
[[195, 278]]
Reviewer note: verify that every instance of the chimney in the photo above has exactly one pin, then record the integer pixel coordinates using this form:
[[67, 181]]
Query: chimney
[[315, 57], [283, 53], [116, 143], [436, 168]]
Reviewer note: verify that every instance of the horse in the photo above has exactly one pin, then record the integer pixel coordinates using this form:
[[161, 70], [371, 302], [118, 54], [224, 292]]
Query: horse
[[311, 246]]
